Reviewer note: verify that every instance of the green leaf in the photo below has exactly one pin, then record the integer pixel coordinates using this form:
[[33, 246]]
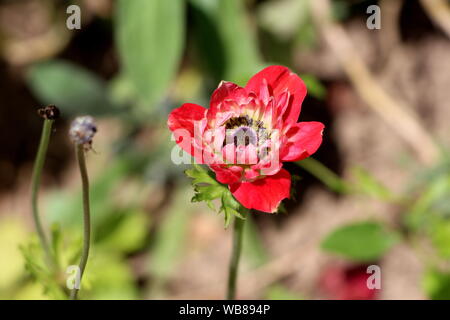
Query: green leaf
[[314, 86], [283, 18], [102, 186], [241, 49], [74, 90], [440, 236], [108, 277], [367, 184], [126, 235], [150, 39], [254, 248], [169, 240], [207, 189], [437, 284], [325, 175], [279, 292], [363, 241], [13, 232], [207, 38], [39, 271], [424, 211], [226, 42]]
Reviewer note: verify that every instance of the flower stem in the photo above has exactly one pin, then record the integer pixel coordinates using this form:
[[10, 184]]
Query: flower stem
[[35, 182], [86, 215], [238, 232]]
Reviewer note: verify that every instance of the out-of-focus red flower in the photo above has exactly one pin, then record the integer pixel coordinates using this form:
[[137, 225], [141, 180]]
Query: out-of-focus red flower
[[248, 132], [347, 283]]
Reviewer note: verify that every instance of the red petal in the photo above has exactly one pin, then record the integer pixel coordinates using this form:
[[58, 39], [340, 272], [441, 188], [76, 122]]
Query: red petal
[[303, 139], [227, 175], [225, 91], [263, 194], [182, 122], [281, 79]]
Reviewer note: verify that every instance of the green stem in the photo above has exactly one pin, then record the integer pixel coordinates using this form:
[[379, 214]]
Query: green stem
[[238, 232], [325, 175], [35, 183], [86, 216]]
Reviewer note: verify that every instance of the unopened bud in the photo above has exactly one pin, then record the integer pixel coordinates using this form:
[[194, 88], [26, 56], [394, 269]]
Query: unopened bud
[[50, 112], [82, 130]]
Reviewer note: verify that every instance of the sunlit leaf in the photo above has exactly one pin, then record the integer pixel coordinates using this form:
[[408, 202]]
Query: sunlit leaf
[[169, 240], [12, 233], [39, 270], [150, 40], [284, 17], [279, 292], [440, 236], [128, 234], [241, 50], [362, 241], [76, 91], [437, 284], [109, 277]]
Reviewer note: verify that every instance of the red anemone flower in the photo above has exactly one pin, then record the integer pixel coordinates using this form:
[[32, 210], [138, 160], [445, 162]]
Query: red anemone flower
[[247, 134]]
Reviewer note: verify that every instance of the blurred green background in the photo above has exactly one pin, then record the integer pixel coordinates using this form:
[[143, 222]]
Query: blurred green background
[[367, 197]]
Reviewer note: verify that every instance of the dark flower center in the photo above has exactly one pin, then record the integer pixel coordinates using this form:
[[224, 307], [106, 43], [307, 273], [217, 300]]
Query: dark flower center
[[244, 136], [242, 131]]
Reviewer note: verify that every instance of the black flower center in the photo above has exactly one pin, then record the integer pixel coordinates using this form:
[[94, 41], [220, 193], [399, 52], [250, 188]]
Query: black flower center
[[243, 130], [244, 136]]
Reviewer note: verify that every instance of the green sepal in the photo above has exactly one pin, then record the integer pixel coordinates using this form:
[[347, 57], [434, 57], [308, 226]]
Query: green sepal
[[207, 189]]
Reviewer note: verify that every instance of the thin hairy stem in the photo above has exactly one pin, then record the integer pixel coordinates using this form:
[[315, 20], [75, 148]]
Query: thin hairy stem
[[35, 183], [86, 217]]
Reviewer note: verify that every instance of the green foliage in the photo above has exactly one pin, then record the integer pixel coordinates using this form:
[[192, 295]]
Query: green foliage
[[40, 271], [241, 50], [367, 184], [207, 39], [436, 284], [340, 9], [108, 276], [150, 42], [429, 214], [207, 189], [363, 182], [283, 18], [71, 88], [124, 232], [428, 205], [12, 233], [440, 237], [363, 241], [169, 241], [279, 292], [65, 207], [325, 175], [253, 246], [225, 40], [314, 86]]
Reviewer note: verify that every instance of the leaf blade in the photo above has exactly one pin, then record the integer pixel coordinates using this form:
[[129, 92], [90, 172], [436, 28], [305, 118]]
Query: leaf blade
[[362, 241]]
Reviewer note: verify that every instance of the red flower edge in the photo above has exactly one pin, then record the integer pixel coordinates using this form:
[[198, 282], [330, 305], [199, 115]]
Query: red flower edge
[[265, 113]]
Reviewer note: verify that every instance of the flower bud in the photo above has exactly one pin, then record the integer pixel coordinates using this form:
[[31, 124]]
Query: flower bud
[[82, 130], [50, 112]]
